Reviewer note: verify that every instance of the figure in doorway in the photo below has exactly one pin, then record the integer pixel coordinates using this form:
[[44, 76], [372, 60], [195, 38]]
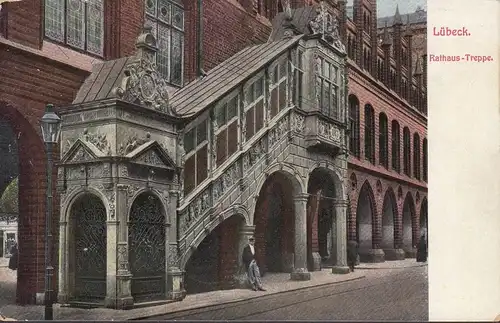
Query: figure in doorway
[[422, 249], [352, 254], [251, 265], [14, 256]]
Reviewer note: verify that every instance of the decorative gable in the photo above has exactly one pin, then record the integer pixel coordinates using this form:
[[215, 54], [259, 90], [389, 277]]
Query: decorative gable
[[152, 154], [81, 152]]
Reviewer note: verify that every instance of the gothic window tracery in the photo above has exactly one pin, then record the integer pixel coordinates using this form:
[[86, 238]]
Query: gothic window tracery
[[76, 23], [166, 17], [196, 163]]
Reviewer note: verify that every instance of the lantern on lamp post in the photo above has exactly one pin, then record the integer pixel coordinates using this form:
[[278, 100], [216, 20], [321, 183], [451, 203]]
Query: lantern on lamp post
[[51, 130]]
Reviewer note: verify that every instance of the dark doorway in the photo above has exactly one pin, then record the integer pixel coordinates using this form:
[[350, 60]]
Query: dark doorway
[[202, 268], [274, 231]]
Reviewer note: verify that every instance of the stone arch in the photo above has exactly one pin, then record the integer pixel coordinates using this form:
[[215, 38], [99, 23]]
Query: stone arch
[[423, 219], [274, 218], [365, 218], [212, 259], [324, 185], [335, 176], [389, 224], [30, 158], [69, 199], [288, 171], [85, 247], [151, 191], [234, 210], [409, 220], [147, 237]]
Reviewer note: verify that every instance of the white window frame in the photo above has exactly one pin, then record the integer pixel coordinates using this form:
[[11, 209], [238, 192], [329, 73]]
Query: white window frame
[[333, 80], [247, 105], [157, 23], [297, 67], [205, 117], [282, 78], [223, 104], [62, 10]]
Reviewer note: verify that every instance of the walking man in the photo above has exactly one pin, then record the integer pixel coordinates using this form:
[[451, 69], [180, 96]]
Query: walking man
[[251, 265], [352, 254]]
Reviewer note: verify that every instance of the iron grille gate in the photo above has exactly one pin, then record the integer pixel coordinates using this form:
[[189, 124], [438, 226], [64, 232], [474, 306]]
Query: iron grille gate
[[90, 249], [147, 249]]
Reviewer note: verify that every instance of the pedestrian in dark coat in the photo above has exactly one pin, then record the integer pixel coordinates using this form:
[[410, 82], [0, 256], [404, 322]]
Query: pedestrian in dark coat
[[14, 257], [352, 254], [422, 250]]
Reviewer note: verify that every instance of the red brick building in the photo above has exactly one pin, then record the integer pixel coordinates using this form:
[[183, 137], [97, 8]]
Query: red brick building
[[47, 49]]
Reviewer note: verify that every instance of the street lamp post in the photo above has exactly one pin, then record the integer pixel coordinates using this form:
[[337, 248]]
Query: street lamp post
[[51, 129]]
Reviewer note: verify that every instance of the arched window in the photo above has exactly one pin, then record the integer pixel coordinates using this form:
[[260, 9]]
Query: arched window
[[354, 125], [369, 133], [383, 140], [79, 24], [424, 159], [396, 139], [407, 151], [416, 155], [167, 20]]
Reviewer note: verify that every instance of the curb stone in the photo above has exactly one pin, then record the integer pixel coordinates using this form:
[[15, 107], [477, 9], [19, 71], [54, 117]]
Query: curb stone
[[244, 299]]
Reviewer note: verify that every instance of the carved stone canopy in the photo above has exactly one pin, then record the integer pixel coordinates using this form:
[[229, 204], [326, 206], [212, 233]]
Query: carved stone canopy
[[327, 25], [143, 84]]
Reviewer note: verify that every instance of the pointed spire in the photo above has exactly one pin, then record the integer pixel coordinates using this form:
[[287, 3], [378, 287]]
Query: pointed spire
[[397, 17], [418, 67], [386, 39]]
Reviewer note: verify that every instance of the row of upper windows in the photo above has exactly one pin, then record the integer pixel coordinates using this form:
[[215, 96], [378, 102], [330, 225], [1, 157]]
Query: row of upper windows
[[419, 155], [80, 24]]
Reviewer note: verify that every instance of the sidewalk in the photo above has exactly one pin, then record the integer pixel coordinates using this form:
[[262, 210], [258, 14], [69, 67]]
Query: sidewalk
[[274, 283]]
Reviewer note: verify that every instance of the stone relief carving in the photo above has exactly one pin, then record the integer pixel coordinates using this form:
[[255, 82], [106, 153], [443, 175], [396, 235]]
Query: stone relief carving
[[100, 113], [75, 173], [151, 157], [122, 256], [298, 123], [226, 181], [142, 83], [173, 256], [132, 143], [99, 140], [254, 154], [110, 195], [195, 210], [329, 131], [278, 131], [327, 25], [81, 155]]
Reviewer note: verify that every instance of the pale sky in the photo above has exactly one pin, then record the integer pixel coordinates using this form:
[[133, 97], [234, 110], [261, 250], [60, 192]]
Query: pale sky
[[388, 7]]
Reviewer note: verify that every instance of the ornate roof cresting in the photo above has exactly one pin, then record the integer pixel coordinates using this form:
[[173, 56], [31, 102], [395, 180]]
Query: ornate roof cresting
[[327, 25], [143, 84]]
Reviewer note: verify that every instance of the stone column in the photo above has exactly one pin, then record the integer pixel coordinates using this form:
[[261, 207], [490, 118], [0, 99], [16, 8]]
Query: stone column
[[300, 271], [111, 262], [63, 293], [124, 298], [246, 231], [340, 238], [175, 276]]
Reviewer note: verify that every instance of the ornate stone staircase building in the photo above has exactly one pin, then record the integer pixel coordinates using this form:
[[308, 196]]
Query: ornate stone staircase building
[[161, 188]]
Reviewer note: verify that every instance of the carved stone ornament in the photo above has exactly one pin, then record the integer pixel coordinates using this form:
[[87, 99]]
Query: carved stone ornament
[[298, 123], [327, 26], [132, 143], [278, 131], [99, 140], [173, 256], [110, 195], [256, 152], [142, 83], [122, 256], [329, 131], [226, 181], [199, 206]]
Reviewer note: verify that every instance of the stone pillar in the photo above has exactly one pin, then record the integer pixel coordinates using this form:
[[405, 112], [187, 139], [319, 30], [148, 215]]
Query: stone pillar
[[246, 231], [124, 298], [175, 276], [111, 262], [63, 293], [300, 271], [340, 238]]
